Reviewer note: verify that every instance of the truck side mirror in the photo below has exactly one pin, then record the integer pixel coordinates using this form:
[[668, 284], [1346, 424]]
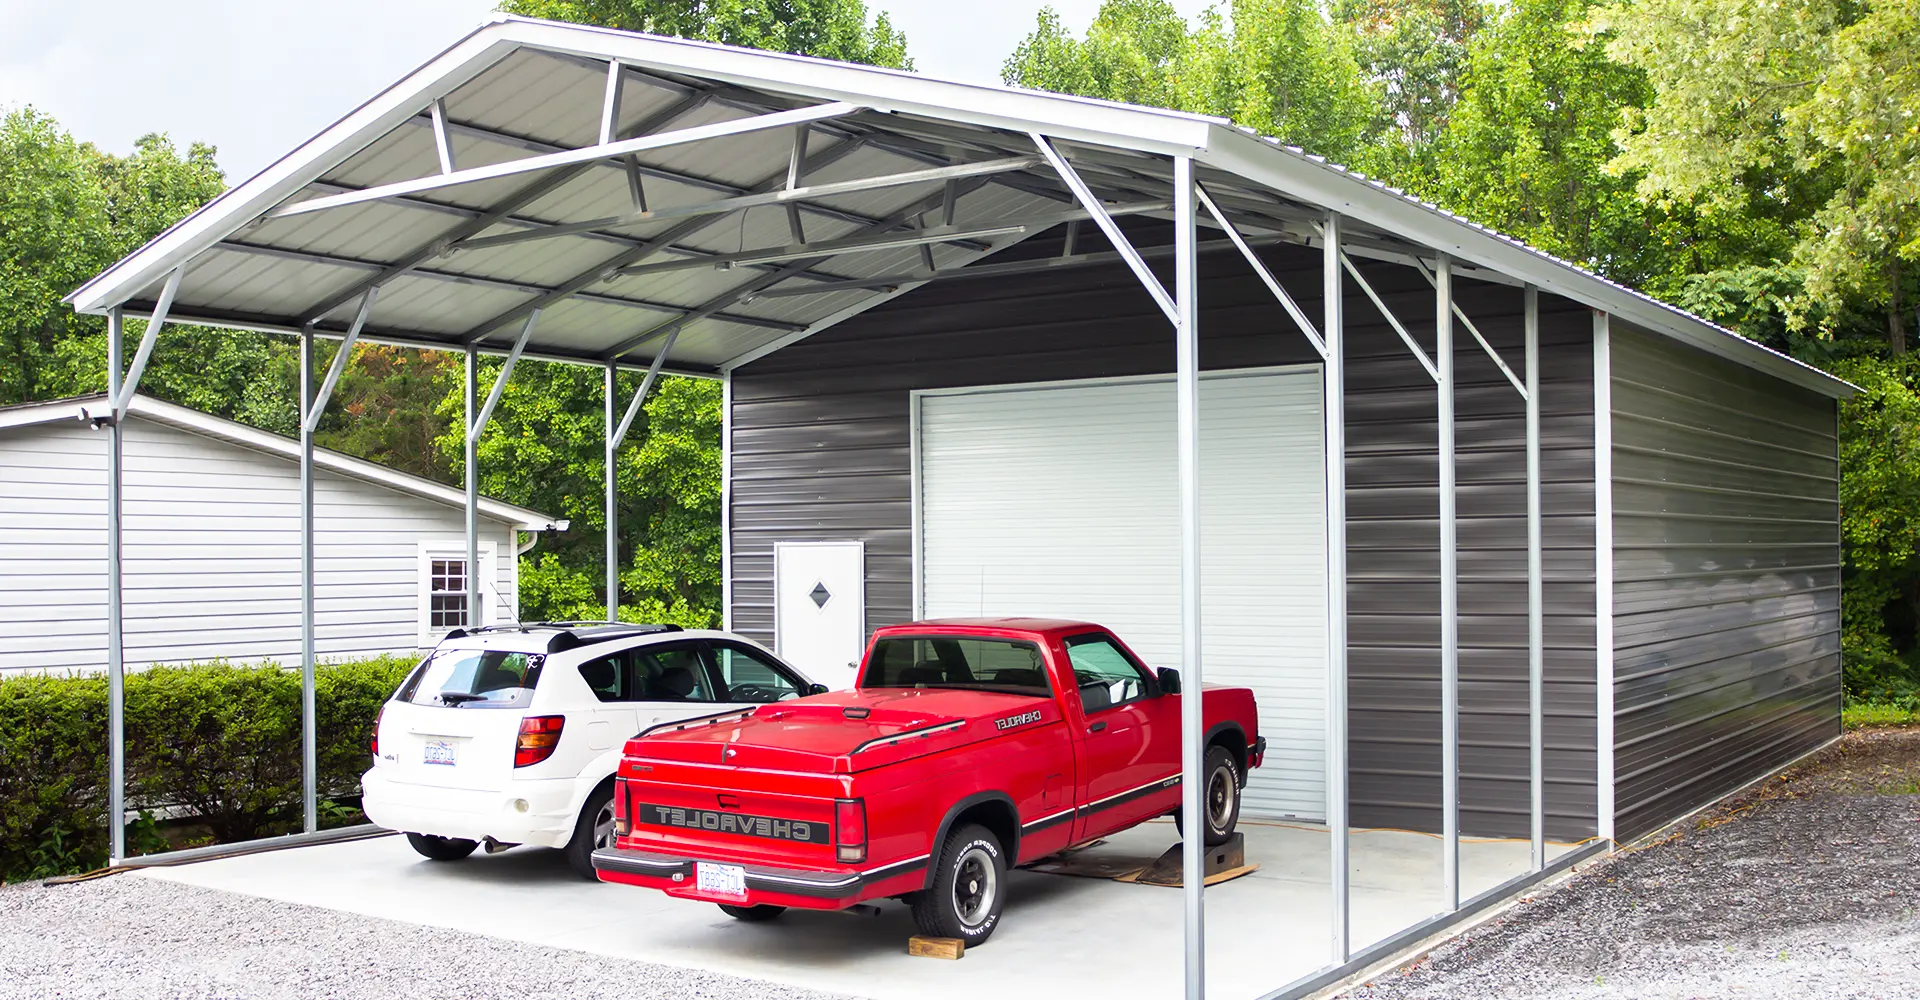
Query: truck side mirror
[[1169, 680], [817, 688]]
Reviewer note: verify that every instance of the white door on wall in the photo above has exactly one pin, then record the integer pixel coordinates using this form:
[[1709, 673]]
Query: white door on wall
[[1062, 500], [819, 608]]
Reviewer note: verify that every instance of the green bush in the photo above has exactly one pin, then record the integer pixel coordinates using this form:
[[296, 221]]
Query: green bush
[[220, 740]]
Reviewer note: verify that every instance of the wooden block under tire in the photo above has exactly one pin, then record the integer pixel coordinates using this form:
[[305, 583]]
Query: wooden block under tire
[[936, 947]]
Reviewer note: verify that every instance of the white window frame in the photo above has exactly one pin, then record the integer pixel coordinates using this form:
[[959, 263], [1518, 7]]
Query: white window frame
[[455, 548]]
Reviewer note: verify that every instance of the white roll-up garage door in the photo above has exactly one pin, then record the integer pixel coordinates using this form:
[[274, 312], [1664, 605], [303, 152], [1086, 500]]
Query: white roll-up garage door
[[1061, 500]]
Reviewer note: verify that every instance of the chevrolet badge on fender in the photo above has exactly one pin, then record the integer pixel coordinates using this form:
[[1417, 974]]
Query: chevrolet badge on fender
[[1017, 720]]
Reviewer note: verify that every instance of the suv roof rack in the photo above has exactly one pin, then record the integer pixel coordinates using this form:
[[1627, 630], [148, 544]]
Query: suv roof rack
[[571, 634]]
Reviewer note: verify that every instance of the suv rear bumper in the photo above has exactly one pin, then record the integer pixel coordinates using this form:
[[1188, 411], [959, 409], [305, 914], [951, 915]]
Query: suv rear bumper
[[794, 886], [537, 812]]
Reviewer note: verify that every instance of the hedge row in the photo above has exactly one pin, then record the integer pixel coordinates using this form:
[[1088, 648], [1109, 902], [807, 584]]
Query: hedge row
[[218, 740]]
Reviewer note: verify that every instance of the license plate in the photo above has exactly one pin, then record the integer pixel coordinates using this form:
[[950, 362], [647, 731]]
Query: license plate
[[720, 880], [439, 752]]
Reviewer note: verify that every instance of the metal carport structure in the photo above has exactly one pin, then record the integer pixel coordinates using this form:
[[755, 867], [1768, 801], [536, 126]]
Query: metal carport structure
[[584, 195]]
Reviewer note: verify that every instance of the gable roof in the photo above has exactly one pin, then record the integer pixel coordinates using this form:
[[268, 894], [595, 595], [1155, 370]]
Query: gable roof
[[253, 439], [486, 141]]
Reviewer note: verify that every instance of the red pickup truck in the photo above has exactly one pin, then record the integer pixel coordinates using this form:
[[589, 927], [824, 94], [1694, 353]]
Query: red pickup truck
[[967, 747]]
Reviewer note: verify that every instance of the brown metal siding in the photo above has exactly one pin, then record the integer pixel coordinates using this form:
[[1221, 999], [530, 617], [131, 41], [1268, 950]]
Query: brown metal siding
[[1726, 577], [821, 451]]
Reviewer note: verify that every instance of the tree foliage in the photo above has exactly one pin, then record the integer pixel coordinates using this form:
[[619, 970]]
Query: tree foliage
[[830, 29]]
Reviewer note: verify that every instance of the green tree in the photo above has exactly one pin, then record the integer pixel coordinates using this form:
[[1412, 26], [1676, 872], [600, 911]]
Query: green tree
[[830, 29], [1880, 521], [1808, 111], [1279, 67]]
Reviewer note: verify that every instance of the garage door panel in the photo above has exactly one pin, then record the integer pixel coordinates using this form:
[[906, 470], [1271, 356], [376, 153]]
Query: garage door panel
[[1063, 501]]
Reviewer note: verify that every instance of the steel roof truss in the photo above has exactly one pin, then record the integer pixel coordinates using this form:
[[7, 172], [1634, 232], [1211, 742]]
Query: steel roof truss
[[339, 365], [1419, 353], [154, 324], [1119, 240], [500, 382], [1273, 285], [640, 397], [567, 158], [482, 221], [1461, 315], [779, 196], [640, 253]]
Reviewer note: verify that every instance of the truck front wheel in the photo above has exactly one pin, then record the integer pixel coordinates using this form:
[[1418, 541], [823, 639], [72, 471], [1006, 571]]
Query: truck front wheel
[[1219, 800], [968, 890]]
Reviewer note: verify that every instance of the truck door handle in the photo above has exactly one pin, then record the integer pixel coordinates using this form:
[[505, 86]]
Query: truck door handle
[[1096, 727]]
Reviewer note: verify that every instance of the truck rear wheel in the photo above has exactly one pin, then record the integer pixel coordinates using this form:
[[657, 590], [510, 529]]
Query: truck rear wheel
[[751, 914], [441, 848], [968, 890], [1220, 797]]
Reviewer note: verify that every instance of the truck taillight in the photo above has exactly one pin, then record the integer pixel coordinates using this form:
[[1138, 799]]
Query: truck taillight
[[850, 829], [377, 716], [539, 735], [622, 823]]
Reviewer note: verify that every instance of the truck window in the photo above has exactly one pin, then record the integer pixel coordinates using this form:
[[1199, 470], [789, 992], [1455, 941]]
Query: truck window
[[1106, 675], [941, 662], [747, 676]]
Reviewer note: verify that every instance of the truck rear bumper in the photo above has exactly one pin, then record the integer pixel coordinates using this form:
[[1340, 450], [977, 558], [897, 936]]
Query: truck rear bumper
[[827, 890]]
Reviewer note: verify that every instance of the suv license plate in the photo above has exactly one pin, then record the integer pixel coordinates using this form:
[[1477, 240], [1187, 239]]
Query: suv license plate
[[720, 880], [439, 752]]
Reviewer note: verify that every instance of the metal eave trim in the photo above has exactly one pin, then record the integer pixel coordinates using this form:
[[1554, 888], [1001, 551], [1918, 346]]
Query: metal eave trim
[[1330, 187]]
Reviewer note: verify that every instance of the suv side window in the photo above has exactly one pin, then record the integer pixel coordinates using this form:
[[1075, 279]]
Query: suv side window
[[609, 677], [1105, 674], [748, 676], [670, 672]]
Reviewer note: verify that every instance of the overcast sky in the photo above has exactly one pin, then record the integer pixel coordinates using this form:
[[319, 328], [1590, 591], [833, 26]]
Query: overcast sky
[[257, 77]]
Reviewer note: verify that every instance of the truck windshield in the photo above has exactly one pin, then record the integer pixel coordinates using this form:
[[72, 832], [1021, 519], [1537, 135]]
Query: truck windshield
[[474, 678], [953, 662]]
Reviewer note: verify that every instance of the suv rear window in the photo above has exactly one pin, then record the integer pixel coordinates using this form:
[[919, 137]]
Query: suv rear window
[[954, 662], [474, 678]]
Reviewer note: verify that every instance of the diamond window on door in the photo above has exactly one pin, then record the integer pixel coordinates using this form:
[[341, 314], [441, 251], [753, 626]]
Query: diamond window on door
[[820, 594]]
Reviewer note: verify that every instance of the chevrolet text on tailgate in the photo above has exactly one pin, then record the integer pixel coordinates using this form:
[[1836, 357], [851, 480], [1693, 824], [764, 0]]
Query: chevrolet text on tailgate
[[967, 747]]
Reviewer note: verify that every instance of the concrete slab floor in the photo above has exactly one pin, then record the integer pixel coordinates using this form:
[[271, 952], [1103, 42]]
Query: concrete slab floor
[[1263, 930]]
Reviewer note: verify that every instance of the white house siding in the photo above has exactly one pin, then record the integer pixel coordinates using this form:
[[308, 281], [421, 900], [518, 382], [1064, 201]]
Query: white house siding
[[211, 537]]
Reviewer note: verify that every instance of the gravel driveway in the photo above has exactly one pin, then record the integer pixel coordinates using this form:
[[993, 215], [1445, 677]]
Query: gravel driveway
[[1807, 888], [126, 937]]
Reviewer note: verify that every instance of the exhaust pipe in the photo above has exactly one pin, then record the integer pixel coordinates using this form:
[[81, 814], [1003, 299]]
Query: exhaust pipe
[[495, 847]]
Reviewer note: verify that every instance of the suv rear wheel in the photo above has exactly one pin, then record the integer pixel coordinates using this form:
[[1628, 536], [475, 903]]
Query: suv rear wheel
[[441, 848], [969, 887], [591, 832]]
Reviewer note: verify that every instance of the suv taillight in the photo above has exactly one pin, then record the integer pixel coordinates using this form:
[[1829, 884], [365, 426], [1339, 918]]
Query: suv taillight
[[850, 829], [377, 716], [539, 735]]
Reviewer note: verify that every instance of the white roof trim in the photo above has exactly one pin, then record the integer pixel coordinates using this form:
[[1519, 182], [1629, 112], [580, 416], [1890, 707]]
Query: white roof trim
[[1213, 141], [254, 439]]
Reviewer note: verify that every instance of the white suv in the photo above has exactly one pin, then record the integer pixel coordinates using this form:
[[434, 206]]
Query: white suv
[[510, 734]]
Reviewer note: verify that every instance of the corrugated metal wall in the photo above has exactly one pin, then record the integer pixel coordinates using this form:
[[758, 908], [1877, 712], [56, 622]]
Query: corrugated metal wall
[[821, 451], [1726, 576]]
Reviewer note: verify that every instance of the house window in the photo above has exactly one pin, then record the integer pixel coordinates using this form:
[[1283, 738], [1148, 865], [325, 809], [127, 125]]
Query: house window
[[446, 594]]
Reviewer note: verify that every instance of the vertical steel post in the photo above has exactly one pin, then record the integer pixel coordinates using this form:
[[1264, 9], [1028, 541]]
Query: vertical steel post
[[471, 395], [1333, 405], [1449, 595], [1192, 725], [116, 651], [1603, 568], [1536, 604], [613, 495], [309, 806]]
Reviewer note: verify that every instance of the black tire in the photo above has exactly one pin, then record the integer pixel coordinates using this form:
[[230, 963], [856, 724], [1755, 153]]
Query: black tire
[[1221, 801], [441, 848], [592, 831], [751, 914], [969, 887]]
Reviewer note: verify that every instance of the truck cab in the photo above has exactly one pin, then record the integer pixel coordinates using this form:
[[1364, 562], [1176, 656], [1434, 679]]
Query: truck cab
[[967, 747]]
